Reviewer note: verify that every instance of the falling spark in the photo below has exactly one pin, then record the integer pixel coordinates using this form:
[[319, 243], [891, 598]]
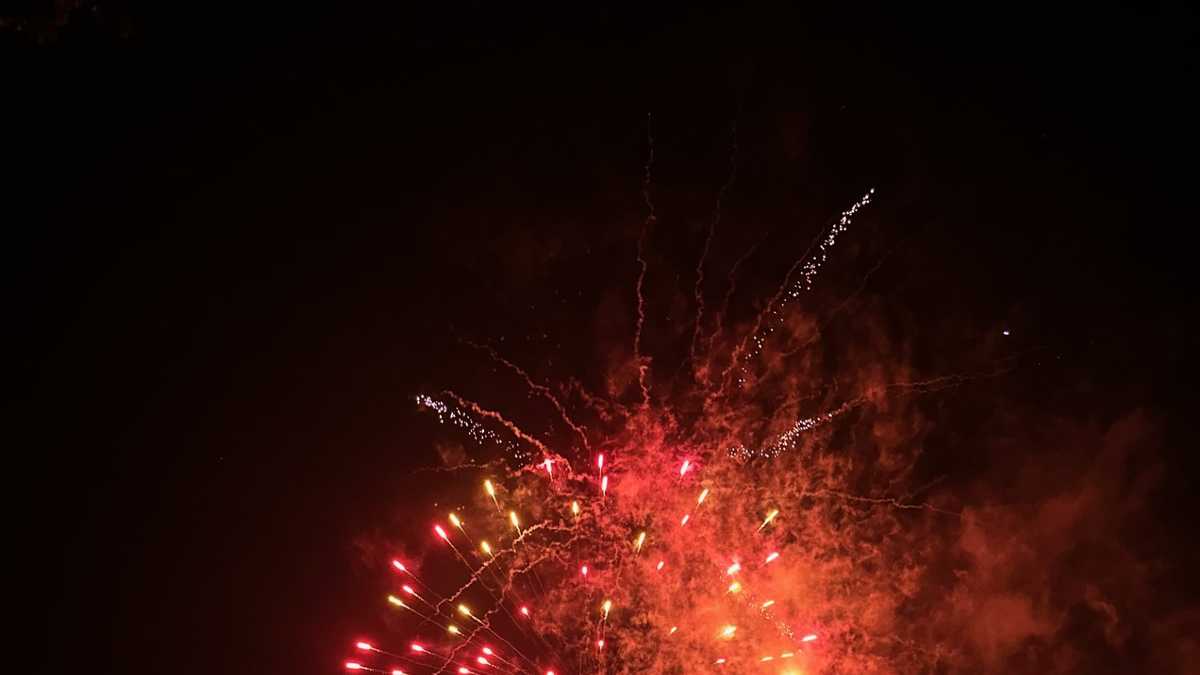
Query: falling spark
[[440, 532], [606, 607], [660, 564], [728, 631], [487, 548], [600, 462], [687, 464], [604, 486], [641, 539], [684, 520], [733, 569], [768, 604], [703, 495], [770, 517], [774, 556], [808, 638], [491, 490]]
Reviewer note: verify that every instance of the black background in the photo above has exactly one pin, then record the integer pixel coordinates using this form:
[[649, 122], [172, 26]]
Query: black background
[[239, 238]]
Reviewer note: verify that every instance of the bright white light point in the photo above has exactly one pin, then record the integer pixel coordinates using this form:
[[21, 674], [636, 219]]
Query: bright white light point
[[772, 557], [575, 508], [487, 650], [512, 518], [673, 629], [491, 490], [463, 671], [768, 604], [808, 638], [685, 519], [728, 631], [600, 643], [600, 462], [363, 646], [397, 671], [440, 532], [604, 485], [735, 587], [350, 665], [687, 464], [703, 494], [452, 629], [1005, 332], [719, 661], [525, 611], [660, 564], [487, 548], [399, 565], [408, 589], [583, 570], [455, 521], [767, 658], [417, 648], [464, 610], [640, 540], [733, 569]]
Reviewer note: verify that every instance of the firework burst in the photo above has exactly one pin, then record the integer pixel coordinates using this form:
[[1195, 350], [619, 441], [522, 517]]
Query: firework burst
[[713, 528]]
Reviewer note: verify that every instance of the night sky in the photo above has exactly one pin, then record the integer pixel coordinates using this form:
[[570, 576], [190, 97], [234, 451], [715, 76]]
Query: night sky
[[239, 243]]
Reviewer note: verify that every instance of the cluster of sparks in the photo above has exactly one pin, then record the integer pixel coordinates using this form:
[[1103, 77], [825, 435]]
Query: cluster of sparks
[[649, 546]]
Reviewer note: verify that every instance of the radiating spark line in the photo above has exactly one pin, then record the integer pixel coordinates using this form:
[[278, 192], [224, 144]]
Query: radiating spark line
[[712, 230], [809, 267], [642, 362], [541, 389]]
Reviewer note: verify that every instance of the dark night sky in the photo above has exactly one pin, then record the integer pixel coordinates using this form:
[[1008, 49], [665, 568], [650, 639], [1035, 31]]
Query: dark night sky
[[239, 242]]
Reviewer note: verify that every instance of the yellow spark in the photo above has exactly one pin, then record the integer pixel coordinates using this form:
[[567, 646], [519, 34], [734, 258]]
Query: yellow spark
[[512, 518], [487, 548], [491, 489], [640, 540], [464, 610], [455, 521], [767, 604], [396, 601], [452, 629], [673, 629], [728, 631], [703, 494], [735, 587], [770, 517], [575, 508], [606, 607]]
